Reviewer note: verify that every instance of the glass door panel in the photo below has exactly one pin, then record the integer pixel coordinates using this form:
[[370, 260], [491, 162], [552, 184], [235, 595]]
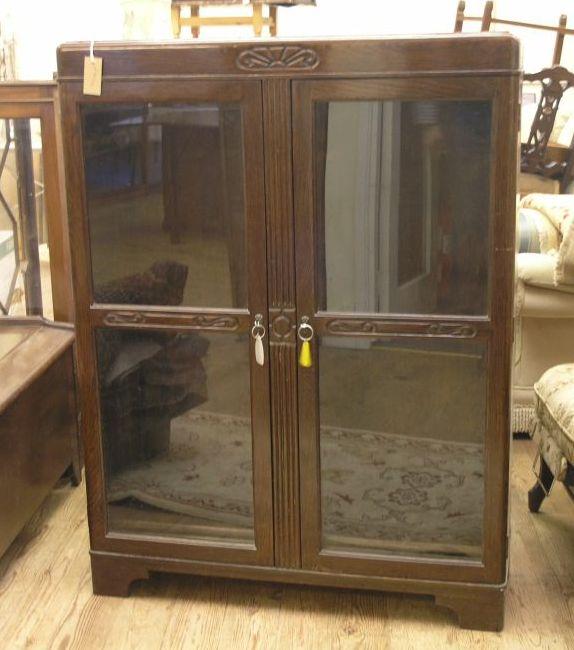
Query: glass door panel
[[402, 206], [393, 255], [166, 204], [176, 283], [402, 426], [176, 425], [25, 274]]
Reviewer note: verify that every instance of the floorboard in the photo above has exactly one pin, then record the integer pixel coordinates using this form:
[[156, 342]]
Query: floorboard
[[46, 600]]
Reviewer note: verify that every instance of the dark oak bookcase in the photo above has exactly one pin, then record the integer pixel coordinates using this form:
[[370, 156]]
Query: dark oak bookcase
[[357, 193]]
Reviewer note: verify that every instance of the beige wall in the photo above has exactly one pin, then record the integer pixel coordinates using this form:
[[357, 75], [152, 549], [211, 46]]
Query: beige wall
[[58, 21], [40, 26], [538, 45]]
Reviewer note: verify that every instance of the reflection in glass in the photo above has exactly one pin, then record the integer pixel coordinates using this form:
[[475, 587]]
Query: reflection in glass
[[402, 204], [165, 187], [25, 280], [402, 446], [177, 433]]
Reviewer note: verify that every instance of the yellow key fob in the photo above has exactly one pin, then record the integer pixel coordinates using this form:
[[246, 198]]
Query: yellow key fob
[[305, 359]]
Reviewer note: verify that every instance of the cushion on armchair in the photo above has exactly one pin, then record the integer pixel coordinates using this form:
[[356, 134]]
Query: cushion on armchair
[[538, 270], [536, 234], [555, 417], [559, 211]]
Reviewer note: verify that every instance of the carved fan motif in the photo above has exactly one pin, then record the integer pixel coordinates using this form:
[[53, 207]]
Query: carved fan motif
[[266, 58]]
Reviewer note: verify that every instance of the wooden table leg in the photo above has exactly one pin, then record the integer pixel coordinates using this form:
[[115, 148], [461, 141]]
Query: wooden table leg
[[257, 20], [195, 28], [273, 21], [175, 20]]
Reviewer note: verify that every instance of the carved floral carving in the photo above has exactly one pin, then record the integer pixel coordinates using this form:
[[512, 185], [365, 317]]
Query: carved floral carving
[[441, 330], [292, 57], [199, 321], [447, 329], [282, 328], [124, 318]]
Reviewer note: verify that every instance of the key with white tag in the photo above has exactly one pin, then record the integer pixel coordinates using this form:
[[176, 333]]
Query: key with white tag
[[259, 351], [258, 332]]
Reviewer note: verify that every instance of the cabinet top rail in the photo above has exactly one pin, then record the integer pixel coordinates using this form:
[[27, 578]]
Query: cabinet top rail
[[401, 55]]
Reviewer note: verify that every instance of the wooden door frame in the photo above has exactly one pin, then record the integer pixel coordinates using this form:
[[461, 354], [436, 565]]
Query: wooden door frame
[[89, 316], [39, 100], [494, 328]]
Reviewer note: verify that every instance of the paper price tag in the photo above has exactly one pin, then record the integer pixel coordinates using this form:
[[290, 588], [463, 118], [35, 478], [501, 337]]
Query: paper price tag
[[92, 75]]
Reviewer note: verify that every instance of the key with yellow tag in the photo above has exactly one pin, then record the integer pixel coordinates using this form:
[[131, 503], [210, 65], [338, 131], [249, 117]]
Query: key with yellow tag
[[305, 359], [305, 333]]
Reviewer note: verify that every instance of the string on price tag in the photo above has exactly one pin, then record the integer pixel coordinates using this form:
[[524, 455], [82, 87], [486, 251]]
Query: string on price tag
[[92, 73]]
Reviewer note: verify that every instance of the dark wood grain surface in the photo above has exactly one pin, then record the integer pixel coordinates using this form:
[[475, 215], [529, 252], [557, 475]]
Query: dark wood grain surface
[[495, 53], [38, 417]]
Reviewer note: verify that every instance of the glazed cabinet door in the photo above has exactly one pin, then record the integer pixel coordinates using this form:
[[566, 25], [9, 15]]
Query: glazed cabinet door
[[404, 253], [168, 223]]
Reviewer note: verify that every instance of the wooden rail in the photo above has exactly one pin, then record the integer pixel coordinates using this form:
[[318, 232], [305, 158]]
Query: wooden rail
[[487, 19]]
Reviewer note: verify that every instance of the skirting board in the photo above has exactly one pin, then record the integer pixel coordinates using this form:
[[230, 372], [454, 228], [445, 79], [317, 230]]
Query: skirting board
[[478, 606]]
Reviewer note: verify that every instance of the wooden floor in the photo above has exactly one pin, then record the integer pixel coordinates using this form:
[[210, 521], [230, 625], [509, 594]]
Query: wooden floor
[[46, 600]]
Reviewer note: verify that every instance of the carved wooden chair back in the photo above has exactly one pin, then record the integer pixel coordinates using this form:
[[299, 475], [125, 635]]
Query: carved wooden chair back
[[555, 82]]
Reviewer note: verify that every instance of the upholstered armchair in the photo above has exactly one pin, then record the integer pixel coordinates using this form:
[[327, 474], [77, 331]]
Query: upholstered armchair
[[544, 305]]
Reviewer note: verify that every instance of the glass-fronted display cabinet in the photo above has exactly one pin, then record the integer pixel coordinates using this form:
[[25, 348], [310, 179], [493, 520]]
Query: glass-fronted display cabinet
[[34, 252], [293, 267]]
